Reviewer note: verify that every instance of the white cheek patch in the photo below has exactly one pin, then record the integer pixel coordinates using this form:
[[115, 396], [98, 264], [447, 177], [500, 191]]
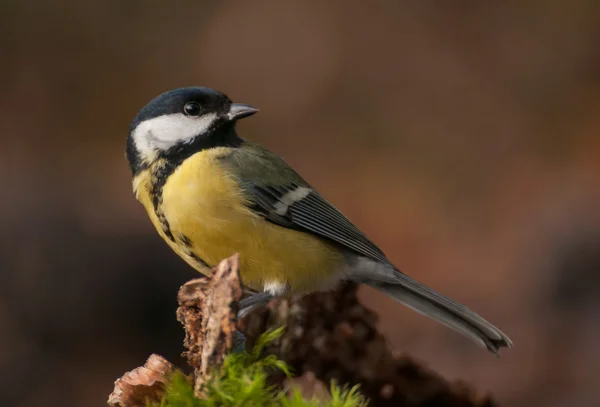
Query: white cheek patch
[[290, 198], [163, 132]]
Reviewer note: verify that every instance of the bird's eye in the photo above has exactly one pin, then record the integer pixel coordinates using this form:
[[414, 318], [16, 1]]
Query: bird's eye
[[191, 109]]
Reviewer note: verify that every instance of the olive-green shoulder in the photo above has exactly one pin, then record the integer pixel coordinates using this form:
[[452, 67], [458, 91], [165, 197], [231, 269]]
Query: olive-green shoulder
[[253, 163]]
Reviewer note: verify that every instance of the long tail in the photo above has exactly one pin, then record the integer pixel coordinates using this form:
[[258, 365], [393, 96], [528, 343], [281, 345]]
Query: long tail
[[442, 309]]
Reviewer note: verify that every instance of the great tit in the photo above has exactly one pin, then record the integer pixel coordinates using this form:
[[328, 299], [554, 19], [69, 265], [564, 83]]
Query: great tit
[[211, 193]]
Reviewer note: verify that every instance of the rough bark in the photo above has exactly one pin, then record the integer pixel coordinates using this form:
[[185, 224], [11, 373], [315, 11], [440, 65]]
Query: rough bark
[[329, 336], [141, 384], [207, 310], [333, 336]]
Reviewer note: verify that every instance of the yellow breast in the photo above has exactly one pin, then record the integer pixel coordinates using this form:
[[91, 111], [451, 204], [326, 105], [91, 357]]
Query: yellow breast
[[209, 220]]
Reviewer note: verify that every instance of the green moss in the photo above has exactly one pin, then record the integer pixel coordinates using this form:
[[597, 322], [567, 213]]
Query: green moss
[[340, 397], [242, 380]]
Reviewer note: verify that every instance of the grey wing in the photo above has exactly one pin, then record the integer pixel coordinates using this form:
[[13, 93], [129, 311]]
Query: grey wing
[[300, 207]]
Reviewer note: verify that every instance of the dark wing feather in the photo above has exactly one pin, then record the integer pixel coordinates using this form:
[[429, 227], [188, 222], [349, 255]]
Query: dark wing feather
[[312, 213]]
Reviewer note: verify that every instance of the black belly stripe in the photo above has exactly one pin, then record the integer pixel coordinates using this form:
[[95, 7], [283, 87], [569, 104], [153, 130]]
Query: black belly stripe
[[165, 224], [199, 260], [160, 173], [171, 159], [187, 243]]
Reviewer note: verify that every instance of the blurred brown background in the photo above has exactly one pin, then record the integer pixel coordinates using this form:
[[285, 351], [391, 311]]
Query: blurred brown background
[[463, 138]]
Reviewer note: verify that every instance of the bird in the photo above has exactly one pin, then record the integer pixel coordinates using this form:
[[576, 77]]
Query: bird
[[211, 193]]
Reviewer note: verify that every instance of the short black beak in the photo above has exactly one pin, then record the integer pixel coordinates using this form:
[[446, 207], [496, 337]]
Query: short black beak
[[239, 111]]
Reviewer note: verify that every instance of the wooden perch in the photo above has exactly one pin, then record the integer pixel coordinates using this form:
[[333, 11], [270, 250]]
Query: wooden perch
[[328, 336], [333, 336], [141, 384], [207, 310]]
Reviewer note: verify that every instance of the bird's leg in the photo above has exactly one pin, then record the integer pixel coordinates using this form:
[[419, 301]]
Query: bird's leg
[[248, 305], [239, 342], [253, 302]]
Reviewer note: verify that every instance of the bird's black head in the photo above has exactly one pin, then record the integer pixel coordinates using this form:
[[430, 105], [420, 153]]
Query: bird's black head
[[182, 122]]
